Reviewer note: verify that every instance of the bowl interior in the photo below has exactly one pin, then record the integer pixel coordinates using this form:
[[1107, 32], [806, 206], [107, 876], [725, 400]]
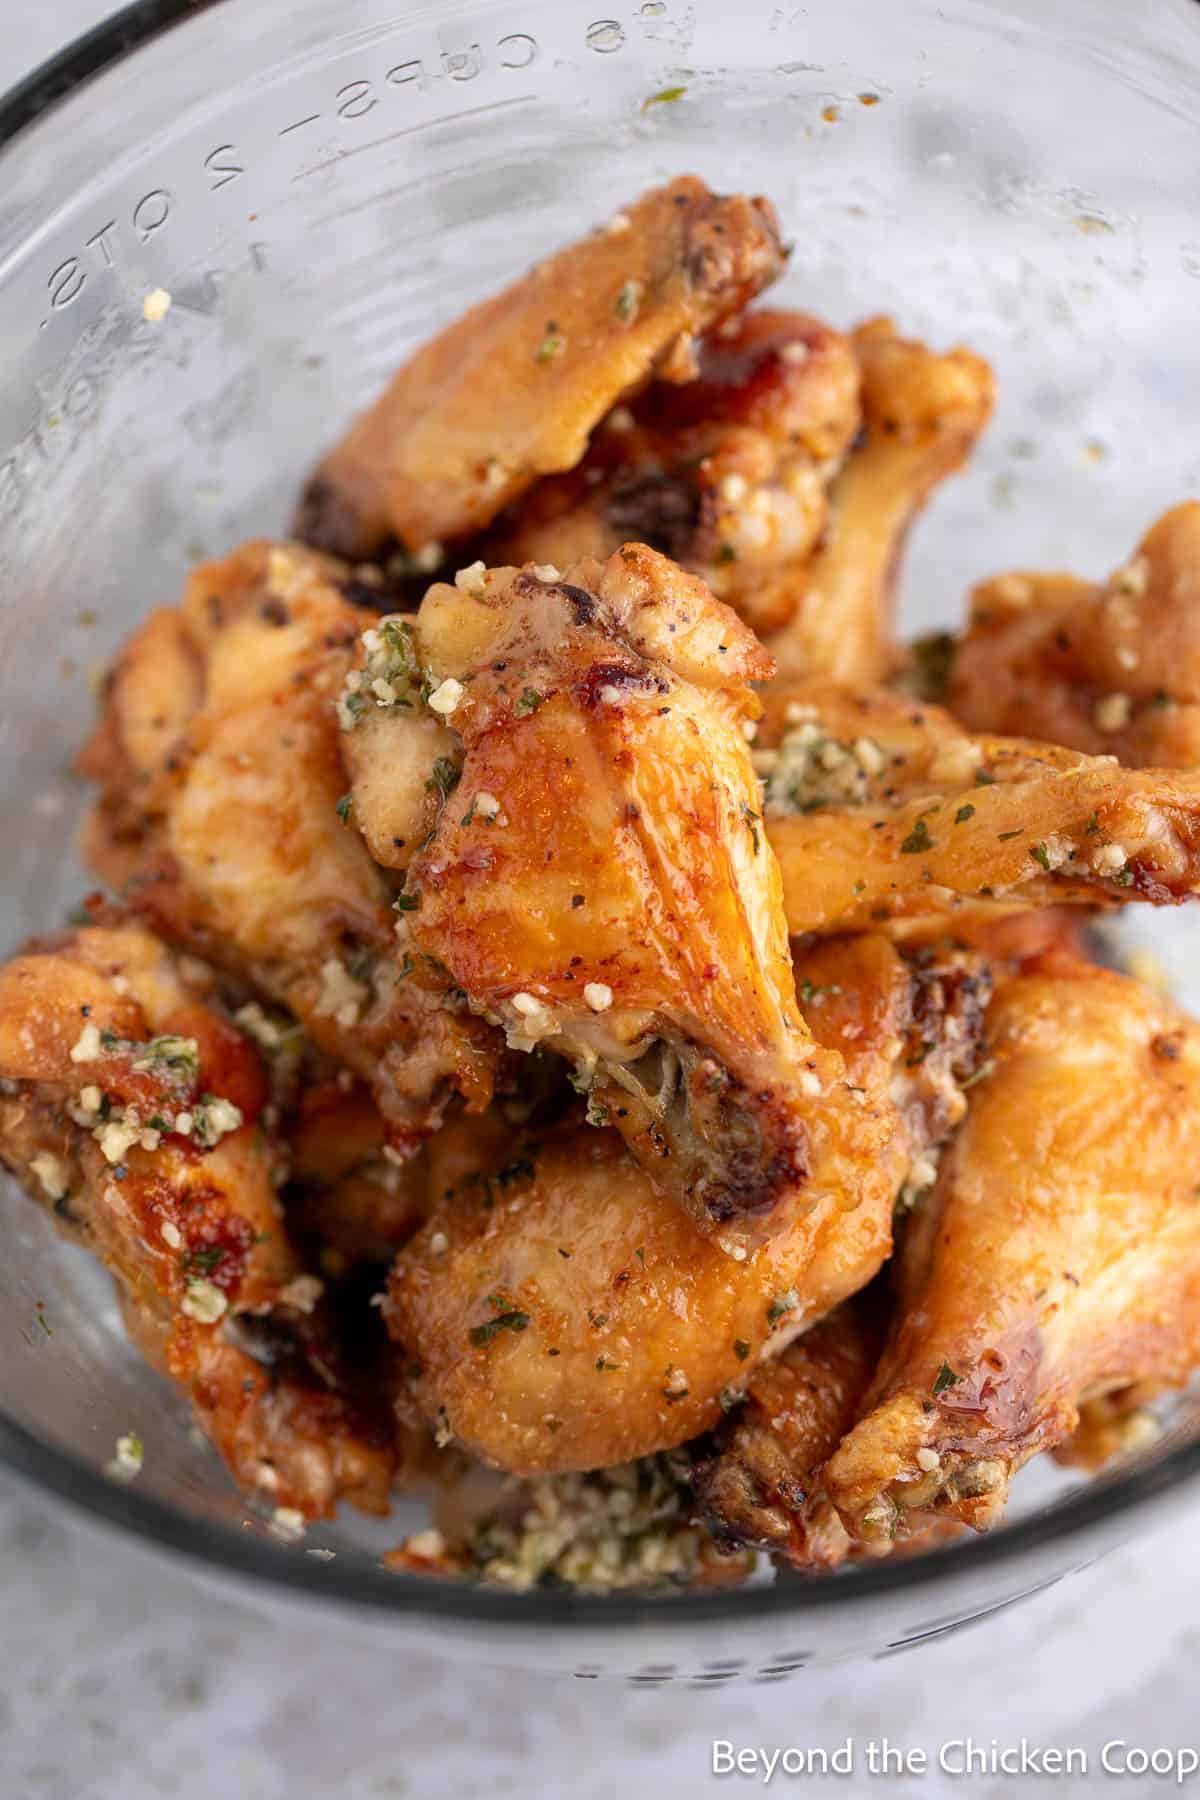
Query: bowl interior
[[318, 188]]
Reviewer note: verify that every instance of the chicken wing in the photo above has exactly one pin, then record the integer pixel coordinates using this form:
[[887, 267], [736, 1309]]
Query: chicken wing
[[135, 1111], [515, 387], [597, 878], [1113, 667], [568, 1315], [884, 811], [1057, 1258], [223, 813], [726, 474], [757, 1480], [922, 413], [344, 1192], [583, 1318]]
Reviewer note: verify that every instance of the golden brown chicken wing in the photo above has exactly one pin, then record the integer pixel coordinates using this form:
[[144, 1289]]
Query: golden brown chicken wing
[[1057, 1258], [922, 413], [597, 879], [565, 1314], [1108, 668], [886, 812], [514, 388], [568, 1315], [135, 1111], [758, 1478], [726, 474], [225, 815]]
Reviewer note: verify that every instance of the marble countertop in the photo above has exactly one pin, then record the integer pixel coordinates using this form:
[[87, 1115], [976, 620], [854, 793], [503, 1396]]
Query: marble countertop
[[119, 1680]]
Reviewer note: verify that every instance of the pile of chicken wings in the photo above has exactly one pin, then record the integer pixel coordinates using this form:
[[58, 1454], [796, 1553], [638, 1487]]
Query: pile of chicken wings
[[576, 1012]]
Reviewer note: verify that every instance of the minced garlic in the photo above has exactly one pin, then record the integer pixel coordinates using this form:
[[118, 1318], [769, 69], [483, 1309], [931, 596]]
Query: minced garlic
[[812, 768], [87, 1047], [52, 1174], [203, 1300], [1112, 713], [287, 1523], [472, 580], [1109, 858], [129, 1458], [1133, 579], [302, 1292], [446, 696], [342, 997]]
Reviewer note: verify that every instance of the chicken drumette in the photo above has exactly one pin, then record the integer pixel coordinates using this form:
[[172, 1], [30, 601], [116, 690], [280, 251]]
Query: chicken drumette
[[1057, 1259], [1111, 667], [922, 413]]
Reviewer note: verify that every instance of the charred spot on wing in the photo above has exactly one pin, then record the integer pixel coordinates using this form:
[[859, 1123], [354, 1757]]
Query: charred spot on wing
[[362, 594], [325, 521], [748, 1186], [662, 511], [950, 995], [267, 1340], [584, 606], [1147, 882], [606, 682], [739, 1502]]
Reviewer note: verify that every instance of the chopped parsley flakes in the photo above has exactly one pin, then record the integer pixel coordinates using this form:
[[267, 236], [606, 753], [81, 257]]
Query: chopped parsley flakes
[[552, 344], [506, 1318], [629, 298], [918, 840], [444, 777], [781, 1305]]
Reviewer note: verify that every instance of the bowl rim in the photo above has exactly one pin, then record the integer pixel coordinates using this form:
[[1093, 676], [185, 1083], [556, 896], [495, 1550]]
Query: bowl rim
[[1078, 1516]]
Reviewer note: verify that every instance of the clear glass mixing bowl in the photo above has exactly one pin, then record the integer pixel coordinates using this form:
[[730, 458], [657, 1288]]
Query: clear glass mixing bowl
[[318, 186]]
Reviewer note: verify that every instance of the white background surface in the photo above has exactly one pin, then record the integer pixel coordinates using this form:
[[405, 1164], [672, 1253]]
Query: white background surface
[[116, 1680]]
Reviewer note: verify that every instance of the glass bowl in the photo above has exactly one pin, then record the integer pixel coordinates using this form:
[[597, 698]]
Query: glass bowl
[[318, 186]]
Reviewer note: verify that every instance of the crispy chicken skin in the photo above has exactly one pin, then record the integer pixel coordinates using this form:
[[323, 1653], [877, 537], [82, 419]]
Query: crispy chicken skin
[[922, 412], [567, 1315], [1111, 667], [727, 474], [515, 387], [1056, 1258], [598, 879], [219, 814], [583, 1318], [886, 812], [134, 1110], [911, 1022], [757, 1478]]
